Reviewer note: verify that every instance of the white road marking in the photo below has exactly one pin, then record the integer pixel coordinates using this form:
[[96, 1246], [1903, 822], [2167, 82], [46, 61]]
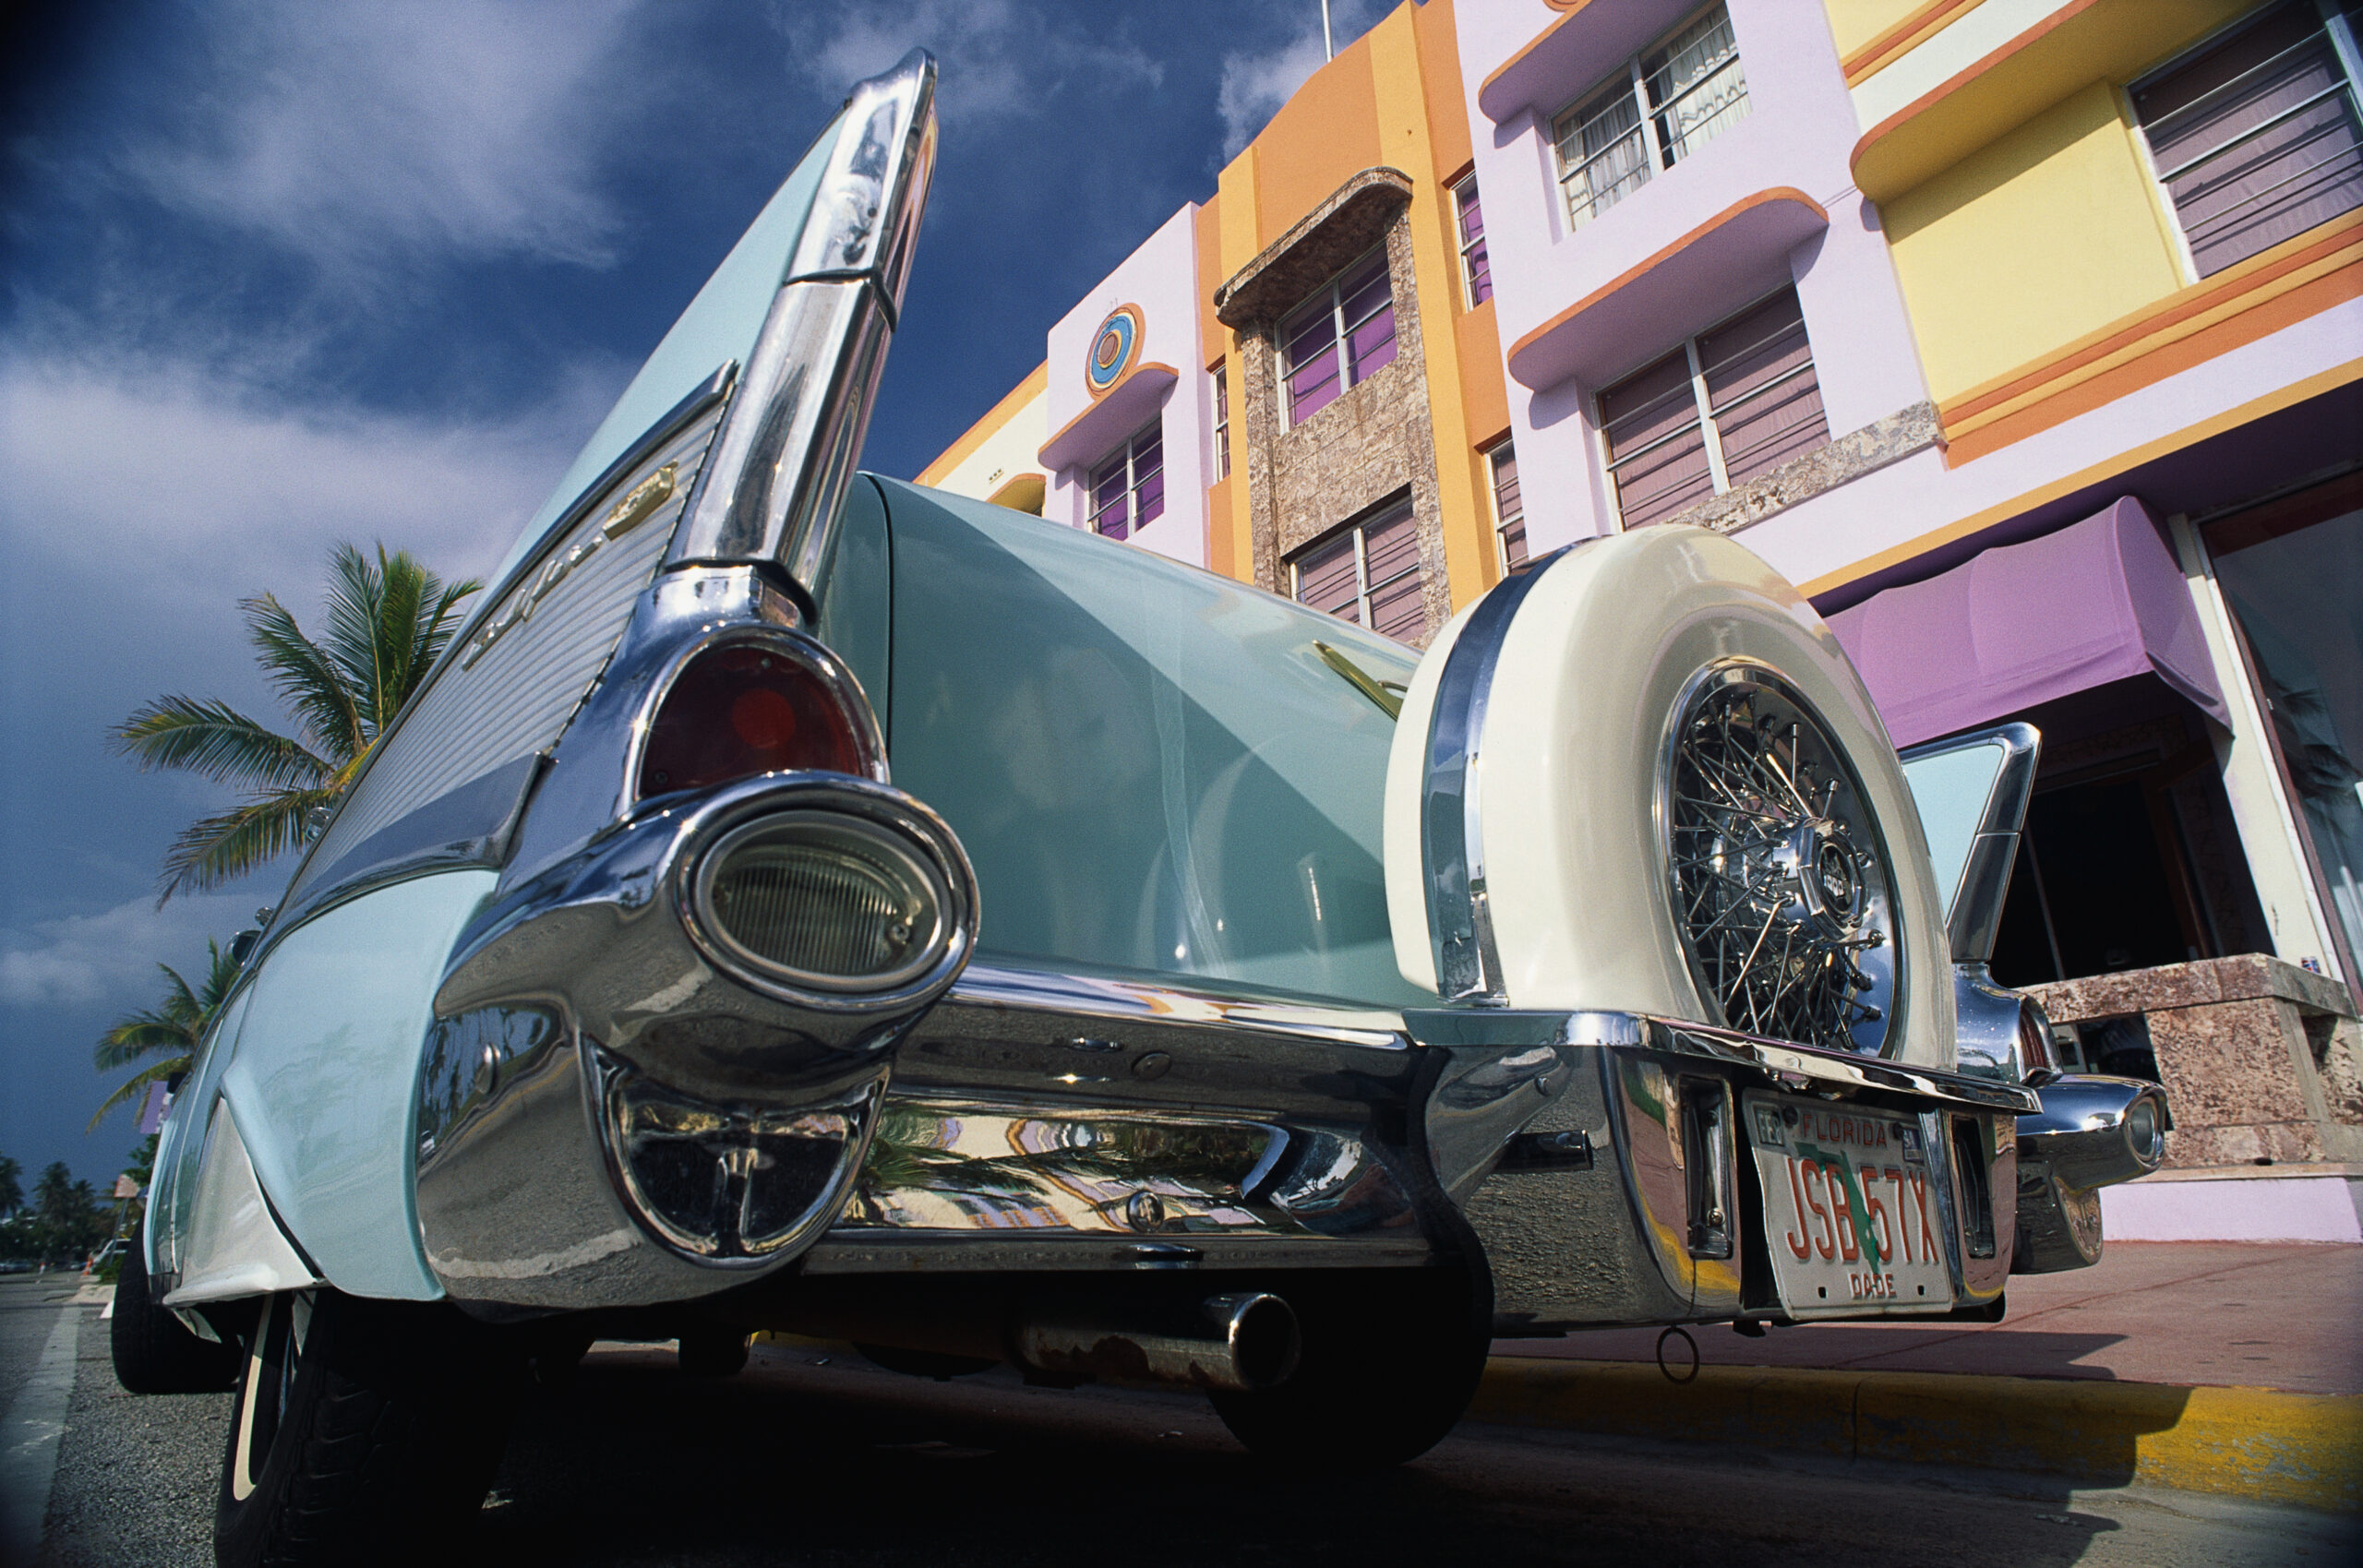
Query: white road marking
[[29, 1441]]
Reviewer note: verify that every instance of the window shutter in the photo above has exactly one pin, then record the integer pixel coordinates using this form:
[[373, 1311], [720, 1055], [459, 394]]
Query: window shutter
[[1657, 448], [1761, 388], [2256, 140], [1391, 548]]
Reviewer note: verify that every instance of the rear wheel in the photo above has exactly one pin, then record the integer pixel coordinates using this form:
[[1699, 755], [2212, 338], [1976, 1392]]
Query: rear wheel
[[364, 1431], [153, 1352]]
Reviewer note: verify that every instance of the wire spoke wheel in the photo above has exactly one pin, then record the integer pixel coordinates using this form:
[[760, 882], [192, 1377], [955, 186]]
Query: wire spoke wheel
[[1782, 886]]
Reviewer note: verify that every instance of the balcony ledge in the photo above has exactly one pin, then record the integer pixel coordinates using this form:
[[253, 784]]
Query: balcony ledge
[[2082, 42], [1575, 52], [1122, 409], [1348, 222], [1689, 284]]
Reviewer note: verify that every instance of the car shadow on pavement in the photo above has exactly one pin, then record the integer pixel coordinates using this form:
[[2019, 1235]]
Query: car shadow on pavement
[[801, 1460]]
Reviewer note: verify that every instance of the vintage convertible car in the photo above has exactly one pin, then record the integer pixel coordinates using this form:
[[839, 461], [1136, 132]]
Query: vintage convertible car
[[1210, 993]]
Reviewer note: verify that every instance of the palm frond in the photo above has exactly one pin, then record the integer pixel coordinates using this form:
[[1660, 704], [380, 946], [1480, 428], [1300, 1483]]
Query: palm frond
[[439, 619], [216, 740], [306, 677], [356, 640], [388, 620], [137, 1085], [213, 850], [220, 974]]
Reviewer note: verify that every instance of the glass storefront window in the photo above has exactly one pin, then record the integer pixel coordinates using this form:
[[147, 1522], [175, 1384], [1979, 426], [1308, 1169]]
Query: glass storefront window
[[2290, 572]]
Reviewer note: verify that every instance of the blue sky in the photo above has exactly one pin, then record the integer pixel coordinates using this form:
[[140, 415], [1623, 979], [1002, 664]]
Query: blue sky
[[275, 273]]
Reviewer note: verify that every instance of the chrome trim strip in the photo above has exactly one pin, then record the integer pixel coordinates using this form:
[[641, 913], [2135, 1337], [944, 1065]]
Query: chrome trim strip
[[774, 487], [1460, 925], [667, 428], [993, 985], [1838, 1070], [646, 445]]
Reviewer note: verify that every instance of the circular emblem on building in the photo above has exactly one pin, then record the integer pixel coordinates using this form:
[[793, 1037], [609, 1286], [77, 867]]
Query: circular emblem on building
[[1113, 349]]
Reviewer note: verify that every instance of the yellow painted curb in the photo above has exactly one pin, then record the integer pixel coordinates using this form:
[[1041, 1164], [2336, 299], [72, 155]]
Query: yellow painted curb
[[2255, 1442]]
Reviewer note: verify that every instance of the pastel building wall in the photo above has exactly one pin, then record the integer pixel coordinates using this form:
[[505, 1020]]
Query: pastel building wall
[[1360, 163], [998, 459], [1161, 383], [1767, 201]]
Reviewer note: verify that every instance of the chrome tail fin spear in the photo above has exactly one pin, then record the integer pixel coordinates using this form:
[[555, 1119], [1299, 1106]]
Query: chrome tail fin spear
[[773, 488]]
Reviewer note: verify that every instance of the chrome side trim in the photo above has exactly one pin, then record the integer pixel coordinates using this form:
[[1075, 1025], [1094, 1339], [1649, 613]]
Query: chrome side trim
[[786, 450], [1452, 840], [646, 445], [558, 623], [236, 1245], [1821, 1068], [990, 985], [1976, 907]]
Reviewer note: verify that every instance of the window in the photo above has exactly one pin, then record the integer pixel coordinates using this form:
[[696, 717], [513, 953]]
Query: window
[[1726, 406], [2289, 570], [1222, 421], [1128, 490], [1509, 507], [2255, 136], [1664, 105], [1475, 272], [1368, 574], [1339, 338]]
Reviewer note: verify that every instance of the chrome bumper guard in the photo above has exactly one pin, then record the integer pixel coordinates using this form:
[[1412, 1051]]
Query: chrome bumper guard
[[620, 1104], [2091, 1132], [1597, 1157]]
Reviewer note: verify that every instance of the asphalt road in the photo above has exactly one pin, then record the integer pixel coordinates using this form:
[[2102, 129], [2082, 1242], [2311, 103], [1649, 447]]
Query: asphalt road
[[808, 1458]]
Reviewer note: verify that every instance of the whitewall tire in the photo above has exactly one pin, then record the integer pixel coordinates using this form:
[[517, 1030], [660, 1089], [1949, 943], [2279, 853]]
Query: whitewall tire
[[1593, 695]]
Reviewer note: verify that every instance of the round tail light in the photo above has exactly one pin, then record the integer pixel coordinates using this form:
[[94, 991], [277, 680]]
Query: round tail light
[[822, 900]]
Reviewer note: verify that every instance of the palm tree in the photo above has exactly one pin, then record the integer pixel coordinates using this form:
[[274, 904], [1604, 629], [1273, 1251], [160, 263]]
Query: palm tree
[[388, 620], [175, 1027]]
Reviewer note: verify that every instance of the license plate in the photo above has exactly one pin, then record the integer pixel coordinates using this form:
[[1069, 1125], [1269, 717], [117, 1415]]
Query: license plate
[[1850, 1210]]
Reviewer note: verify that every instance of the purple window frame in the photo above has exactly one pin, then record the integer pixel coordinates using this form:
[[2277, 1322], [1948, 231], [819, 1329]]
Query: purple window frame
[[1128, 489], [1339, 338], [1712, 413], [1476, 270]]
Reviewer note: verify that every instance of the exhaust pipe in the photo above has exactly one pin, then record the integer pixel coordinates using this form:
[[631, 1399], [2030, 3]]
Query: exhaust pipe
[[1235, 1343]]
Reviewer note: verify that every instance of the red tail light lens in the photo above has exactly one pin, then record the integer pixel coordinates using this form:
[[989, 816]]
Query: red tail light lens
[[743, 710]]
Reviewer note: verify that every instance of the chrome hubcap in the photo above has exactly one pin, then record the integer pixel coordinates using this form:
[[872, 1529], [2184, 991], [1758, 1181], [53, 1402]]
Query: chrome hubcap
[[1781, 884]]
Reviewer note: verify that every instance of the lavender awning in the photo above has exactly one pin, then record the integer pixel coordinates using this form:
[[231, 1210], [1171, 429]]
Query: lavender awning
[[2098, 601]]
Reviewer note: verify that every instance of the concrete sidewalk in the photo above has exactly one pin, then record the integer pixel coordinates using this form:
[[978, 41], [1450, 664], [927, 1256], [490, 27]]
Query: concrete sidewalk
[[2206, 1366], [2231, 1313]]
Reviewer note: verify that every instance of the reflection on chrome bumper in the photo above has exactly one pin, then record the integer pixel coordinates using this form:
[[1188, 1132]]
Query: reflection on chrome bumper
[[1653, 1226], [615, 1110]]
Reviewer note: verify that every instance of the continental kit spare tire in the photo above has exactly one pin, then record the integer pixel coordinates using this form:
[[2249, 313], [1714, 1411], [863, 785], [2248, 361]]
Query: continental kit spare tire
[[1645, 777]]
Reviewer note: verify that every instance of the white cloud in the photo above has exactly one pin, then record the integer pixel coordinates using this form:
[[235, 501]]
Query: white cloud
[[1255, 85], [350, 133], [113, 955], [998, 59], [223, 494]]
